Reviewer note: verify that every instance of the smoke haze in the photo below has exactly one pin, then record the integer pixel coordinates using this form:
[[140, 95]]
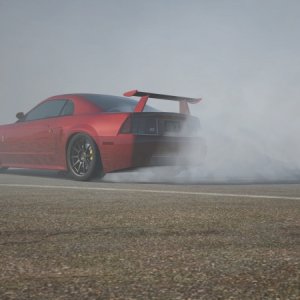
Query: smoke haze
[[241, 57]]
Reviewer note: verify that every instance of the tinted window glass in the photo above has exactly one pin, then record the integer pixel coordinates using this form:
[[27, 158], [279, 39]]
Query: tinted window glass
[[51, 108], [68, 109], [115, 104]]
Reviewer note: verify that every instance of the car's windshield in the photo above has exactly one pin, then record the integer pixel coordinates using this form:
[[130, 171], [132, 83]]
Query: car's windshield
[[115, 104]]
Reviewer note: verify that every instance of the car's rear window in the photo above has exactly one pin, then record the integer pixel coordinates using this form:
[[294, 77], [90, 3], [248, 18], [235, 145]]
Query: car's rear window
[[109, 103]]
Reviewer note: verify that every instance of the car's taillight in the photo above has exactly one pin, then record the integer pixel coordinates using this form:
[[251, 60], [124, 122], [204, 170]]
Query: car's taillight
[[126, 127], [140, 126], [145, 126], [160, 124]]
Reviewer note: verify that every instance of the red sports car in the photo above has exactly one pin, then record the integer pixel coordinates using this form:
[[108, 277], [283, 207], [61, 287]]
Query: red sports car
[[89, 135]]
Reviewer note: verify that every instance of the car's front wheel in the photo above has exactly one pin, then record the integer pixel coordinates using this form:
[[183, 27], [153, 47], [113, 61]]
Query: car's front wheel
[[83, 158]]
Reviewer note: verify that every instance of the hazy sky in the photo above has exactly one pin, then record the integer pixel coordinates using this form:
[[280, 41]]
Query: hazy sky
[[225, 51], [241, 56]]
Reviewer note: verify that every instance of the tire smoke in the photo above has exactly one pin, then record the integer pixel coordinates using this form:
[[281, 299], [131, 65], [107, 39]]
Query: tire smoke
[[248, 141]]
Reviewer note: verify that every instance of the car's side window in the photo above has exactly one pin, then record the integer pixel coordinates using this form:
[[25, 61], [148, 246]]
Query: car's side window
[[68, 109], [48, 109]]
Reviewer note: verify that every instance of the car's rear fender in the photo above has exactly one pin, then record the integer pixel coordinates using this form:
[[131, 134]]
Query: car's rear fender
[[103, 129], [108, 124]]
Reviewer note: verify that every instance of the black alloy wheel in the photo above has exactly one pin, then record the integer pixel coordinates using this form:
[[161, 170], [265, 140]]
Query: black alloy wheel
[[83, 158]]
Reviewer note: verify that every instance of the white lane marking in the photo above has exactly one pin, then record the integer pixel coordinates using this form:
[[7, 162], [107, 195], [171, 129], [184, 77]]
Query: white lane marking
[[150, 191]]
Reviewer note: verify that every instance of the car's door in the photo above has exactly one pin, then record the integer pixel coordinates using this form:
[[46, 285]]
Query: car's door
[[32, 142]]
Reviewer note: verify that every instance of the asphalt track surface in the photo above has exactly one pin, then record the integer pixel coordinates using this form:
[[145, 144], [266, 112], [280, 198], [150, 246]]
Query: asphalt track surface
[[62, 239]]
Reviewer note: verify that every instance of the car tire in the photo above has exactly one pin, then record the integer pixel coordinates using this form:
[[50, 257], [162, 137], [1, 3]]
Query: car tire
[[83, 158]]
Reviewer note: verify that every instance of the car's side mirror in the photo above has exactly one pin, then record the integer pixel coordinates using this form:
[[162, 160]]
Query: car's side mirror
[[20, 116]]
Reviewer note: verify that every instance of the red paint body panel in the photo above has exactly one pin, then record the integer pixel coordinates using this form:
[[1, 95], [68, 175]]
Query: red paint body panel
[[42, 143]]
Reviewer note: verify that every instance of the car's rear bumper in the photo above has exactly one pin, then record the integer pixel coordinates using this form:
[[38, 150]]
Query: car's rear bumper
[[129, 151], [151, 151]]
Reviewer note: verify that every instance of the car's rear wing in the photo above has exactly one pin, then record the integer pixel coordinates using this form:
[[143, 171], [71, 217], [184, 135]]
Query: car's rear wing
[[183, 101]]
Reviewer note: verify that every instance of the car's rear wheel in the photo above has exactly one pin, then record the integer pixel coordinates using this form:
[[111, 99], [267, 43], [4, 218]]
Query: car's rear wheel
[[83, 158]]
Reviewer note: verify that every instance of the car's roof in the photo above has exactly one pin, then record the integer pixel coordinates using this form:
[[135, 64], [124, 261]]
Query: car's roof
[[107, 103]]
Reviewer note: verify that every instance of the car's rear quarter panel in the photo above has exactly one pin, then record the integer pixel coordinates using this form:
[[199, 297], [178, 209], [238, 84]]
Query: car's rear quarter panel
[[115, 150]]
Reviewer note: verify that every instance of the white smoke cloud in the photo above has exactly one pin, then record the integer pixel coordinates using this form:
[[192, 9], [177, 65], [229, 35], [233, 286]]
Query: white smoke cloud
[[252, 137]]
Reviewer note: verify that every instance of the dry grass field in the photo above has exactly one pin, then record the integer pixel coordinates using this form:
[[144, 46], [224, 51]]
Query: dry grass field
[[85, 244]]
